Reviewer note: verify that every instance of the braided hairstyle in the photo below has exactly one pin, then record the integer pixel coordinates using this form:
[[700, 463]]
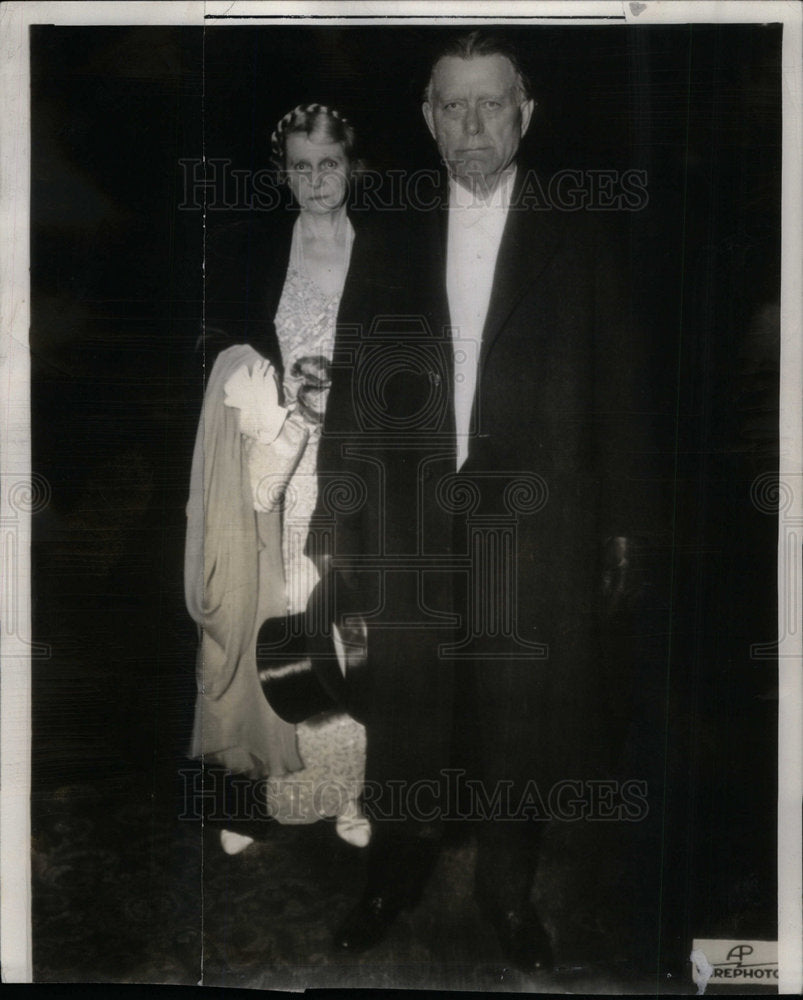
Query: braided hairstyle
[[312, 119]]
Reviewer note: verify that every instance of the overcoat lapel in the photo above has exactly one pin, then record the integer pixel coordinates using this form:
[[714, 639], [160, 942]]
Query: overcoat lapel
[[433, 245], [275, 251], [529, 241]]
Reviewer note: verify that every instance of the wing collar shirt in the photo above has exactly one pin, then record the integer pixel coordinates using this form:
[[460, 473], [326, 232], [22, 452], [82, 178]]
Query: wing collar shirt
[[474, 236]]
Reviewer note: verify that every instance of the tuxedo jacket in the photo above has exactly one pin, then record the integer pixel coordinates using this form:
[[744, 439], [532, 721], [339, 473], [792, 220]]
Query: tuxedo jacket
[[558, 433]]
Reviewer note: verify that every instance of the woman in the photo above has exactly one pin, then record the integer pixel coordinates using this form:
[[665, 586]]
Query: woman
[[273, 286]]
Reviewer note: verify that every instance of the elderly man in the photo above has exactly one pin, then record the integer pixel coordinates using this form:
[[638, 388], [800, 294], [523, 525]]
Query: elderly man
[[484, 410]]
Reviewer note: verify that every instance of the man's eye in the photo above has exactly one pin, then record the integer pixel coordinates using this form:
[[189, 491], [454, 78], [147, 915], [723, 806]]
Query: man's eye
[[451, 106], [493, 105], [329, 164], [302, 168]]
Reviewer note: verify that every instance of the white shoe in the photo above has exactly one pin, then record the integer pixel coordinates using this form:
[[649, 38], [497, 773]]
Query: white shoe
[[352, 826], [234, 843]]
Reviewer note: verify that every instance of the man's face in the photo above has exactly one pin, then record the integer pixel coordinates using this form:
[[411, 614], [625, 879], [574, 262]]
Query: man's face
[[477, 116]]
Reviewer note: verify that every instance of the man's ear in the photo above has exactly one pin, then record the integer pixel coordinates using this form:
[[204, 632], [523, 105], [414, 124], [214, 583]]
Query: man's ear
[[527, 108], [426, 109]]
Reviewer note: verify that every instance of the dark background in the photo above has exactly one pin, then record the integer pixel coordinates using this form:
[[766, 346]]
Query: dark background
[[117, 379]]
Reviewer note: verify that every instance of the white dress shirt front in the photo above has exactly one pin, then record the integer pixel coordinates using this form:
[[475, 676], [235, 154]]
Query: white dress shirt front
[[474, 235]]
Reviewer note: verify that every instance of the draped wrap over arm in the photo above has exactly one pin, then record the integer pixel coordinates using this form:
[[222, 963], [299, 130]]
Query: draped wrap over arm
[[233, 580]]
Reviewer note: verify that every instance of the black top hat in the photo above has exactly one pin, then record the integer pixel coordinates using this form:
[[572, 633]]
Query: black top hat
[[297, 659]]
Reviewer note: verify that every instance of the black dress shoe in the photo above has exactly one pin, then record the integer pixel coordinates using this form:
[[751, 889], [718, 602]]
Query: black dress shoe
[[524, 939], [368, 923]]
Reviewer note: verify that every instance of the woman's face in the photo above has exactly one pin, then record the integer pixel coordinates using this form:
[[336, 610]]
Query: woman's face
[[317, 172]]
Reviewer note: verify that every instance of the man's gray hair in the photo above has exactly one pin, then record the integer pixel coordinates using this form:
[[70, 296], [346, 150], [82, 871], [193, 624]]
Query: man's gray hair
[[469, 44]]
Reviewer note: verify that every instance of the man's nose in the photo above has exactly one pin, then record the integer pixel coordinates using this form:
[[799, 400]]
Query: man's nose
[[473, 121]]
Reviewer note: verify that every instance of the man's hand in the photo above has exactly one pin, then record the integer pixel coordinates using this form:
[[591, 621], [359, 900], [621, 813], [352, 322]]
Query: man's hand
[[617, 574]]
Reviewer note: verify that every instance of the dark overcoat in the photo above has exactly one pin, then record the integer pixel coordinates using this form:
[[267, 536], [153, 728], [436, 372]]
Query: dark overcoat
[[245, 264], [486, 580]]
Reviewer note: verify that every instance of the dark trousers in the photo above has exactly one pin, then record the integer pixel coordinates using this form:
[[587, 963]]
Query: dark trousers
[[449, 742], [483, 741]]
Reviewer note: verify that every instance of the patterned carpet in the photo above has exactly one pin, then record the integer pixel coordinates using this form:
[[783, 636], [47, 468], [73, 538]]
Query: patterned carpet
[[126, 892]]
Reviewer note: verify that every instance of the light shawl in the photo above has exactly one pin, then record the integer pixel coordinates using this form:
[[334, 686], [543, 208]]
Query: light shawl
[[233, 581]]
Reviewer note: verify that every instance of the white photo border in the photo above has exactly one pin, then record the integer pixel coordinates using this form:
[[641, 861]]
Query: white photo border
[[20, 494]]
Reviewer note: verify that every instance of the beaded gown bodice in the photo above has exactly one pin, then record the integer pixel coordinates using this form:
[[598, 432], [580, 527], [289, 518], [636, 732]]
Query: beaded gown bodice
[[332, 748], [305, 326]]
